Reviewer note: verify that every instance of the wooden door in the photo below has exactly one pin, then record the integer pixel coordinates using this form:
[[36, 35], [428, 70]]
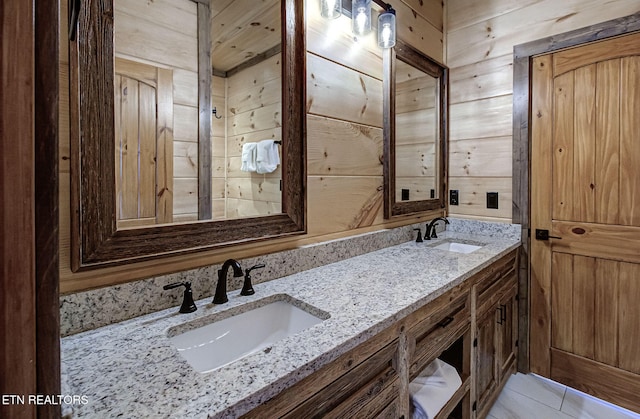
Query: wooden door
[[585, 190], [144, 144]]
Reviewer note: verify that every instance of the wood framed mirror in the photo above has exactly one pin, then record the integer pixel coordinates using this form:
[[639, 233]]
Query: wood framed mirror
[[415, 132], [99, 236]]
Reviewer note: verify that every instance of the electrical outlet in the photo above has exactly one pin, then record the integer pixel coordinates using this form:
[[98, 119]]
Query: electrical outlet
[[453, 197], [405, 194], [492, 200]]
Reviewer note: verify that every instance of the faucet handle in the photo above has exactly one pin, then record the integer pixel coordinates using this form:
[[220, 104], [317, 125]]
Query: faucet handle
[[247, 288], [419, 238], [188, 306]]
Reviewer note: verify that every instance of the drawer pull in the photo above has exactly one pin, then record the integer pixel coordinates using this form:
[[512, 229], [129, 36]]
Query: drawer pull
[[503, 313], [446, 321]]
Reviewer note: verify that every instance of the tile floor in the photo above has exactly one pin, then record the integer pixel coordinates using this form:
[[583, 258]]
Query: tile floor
[[528, 396]]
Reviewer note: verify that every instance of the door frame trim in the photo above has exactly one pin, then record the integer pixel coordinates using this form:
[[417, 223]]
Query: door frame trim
[[521, 211]]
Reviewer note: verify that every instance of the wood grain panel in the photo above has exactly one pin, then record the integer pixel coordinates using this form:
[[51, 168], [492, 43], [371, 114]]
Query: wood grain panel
[[562, 284], [496, 36], [267, 117], [164, 170], [253, 97], [185, 87], [587, 376], [237, 208], [583, 306], [463, 13], [18, 303], [607, 157], [147, 147], [256, 28], [473, 199], [128, 156], [628, 315], [563, 147], [629, 144], [265, 71], [185, 161], [584, 144], [185, 197], [339, 203], [606, 311], [343, 148], [574, 58], [431, 10], [176, 15], [598, 240], [413, 160], [485, 79], [418, 32], [338, 92], [135, 37], [542, 93], [484, 157], [333, 39], [256, 188], [481, 118], [185, 123]]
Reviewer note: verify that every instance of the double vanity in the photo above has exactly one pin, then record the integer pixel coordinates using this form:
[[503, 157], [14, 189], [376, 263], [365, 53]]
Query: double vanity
[[336, 340]]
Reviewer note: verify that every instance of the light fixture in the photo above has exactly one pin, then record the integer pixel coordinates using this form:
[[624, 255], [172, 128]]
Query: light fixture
[[330, 9], [361, 17], [387, 28]]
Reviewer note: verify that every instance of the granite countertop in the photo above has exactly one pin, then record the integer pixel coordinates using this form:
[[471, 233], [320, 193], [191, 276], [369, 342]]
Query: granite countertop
[[130, 369]]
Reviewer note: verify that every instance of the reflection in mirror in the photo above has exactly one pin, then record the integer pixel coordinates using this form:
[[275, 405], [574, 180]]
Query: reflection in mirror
[[164, 97], [415, 131], [167, 170], [247, 95], [417, 127]]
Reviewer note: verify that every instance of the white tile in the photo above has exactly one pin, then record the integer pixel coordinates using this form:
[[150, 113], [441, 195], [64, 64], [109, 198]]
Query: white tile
[[513, 405], [583, 406], [537, 388]]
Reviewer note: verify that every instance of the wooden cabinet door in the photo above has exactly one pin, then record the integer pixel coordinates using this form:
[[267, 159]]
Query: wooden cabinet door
[[585, 191], [486, 371], [507, 334]]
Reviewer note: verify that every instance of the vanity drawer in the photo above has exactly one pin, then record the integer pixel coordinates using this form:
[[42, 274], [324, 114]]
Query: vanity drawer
[[498, 279], [431, 336], [365, 390], [363, 380], [495, 286]]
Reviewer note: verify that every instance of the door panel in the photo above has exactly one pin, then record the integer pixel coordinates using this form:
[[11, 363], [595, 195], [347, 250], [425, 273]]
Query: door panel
[[629, 143], [585, 187], [144, 144]]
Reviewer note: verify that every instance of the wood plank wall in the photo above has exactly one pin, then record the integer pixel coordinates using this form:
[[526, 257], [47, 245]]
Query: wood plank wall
[[479, 52], [344, 143], [416, 132], [254, 103], [163, 33]]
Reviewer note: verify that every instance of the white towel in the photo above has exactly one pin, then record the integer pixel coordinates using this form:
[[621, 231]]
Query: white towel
[[267, 157], [249, 157], [433, 388]]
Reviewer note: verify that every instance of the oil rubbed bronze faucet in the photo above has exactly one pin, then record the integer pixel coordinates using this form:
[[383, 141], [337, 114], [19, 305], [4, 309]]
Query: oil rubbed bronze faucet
[[221, 288], [431, 228]]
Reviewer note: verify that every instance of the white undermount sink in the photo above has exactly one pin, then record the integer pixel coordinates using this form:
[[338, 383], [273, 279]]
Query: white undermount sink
[[457, 247], [221, 342]]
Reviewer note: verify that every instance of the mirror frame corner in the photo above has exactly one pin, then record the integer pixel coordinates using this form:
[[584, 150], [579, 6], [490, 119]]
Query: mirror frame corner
[[417, 59], [95, 240]]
